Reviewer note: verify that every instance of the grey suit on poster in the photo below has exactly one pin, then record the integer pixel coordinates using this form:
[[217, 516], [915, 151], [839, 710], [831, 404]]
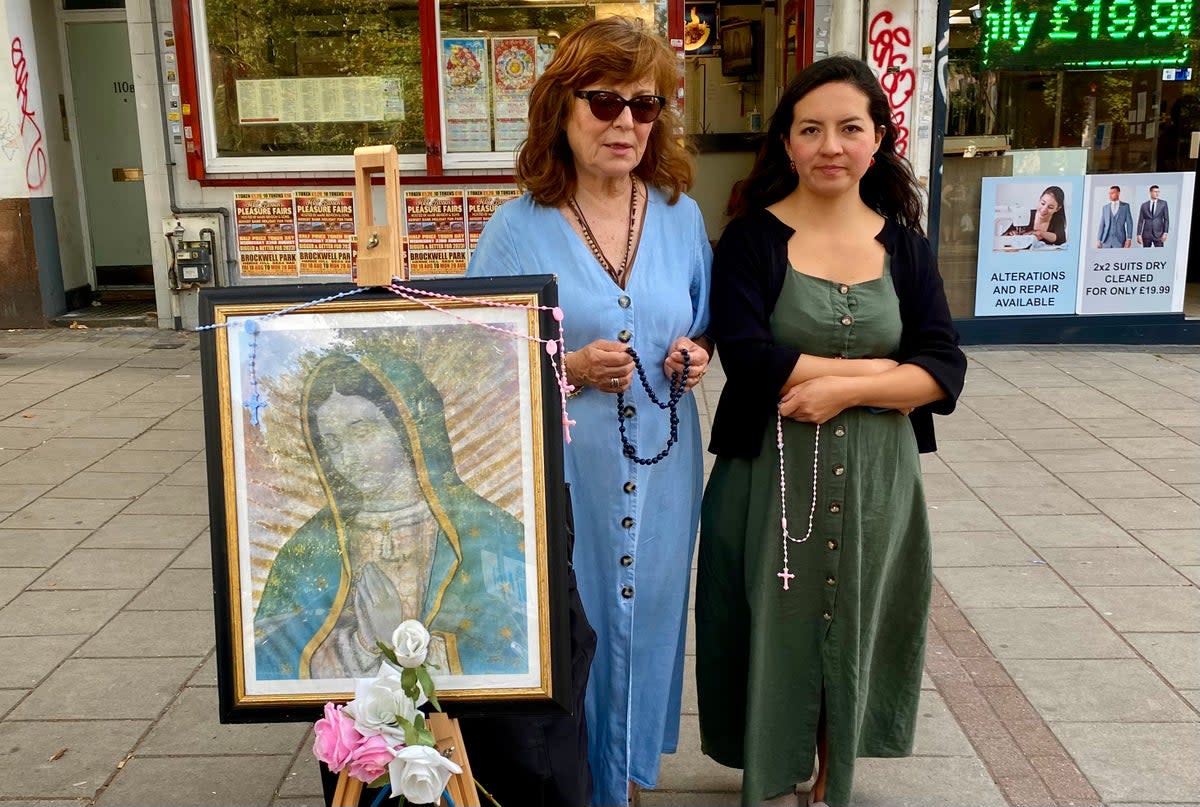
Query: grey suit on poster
[[1154, 222], [1116, 229]]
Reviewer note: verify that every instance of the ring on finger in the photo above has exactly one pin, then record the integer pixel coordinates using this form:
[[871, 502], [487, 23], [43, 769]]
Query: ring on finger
[[613, 382]]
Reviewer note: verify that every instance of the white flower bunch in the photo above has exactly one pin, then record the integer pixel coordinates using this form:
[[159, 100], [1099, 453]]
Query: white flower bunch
[[383, 728]]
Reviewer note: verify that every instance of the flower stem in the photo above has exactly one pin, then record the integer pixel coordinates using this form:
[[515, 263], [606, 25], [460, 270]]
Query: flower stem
[[486, 794]]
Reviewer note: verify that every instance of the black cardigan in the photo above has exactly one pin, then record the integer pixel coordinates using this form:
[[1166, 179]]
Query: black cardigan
[[749, 266]]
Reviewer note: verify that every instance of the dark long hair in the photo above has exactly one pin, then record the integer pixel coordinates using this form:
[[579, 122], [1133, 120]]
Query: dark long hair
[[1058, 219], [888, 187]]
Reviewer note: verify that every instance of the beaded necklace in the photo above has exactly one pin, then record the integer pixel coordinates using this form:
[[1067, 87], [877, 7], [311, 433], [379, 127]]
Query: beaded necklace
[[619, 276], [677, 388], [786, 574]]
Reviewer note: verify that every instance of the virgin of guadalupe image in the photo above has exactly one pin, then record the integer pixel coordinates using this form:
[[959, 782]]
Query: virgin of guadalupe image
[[400, 536]]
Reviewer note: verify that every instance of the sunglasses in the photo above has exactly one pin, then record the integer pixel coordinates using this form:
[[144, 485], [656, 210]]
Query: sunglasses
[[607, 105]]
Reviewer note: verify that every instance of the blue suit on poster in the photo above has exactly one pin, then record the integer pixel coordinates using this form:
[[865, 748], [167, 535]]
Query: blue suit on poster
[[1116, 228]]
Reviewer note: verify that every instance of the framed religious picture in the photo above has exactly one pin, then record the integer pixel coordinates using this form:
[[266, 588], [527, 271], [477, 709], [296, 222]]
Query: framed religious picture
[[740, 47], [374, 458]]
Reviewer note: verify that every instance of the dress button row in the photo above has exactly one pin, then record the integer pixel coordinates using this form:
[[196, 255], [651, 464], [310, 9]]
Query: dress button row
[[624, 301], [629, 412], [630, 486], [839, 470], [831, 580], [832, 544], [840, 431], [847, 320], [826, 616], [627, 561], [624, 336], [835, 508], [627, 592], [843, 289], [627, 522]]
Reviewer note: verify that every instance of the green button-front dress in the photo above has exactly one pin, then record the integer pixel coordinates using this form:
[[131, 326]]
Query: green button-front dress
[[851, 625]]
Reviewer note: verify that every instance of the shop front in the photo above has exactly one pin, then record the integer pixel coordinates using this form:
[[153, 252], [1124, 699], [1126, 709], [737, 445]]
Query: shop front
[[1067, 203], [198, 143]]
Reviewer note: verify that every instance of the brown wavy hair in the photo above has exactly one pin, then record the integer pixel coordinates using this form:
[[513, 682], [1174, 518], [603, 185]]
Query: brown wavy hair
[[616, 50]]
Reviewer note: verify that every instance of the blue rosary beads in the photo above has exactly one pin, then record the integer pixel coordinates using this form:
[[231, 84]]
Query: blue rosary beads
[[677, 389]]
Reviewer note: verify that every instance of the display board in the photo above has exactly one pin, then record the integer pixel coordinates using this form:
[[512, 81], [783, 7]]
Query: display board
[[1101, 244], [1025, 268]]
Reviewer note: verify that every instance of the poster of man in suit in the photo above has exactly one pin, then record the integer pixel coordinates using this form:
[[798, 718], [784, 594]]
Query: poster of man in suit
[[1116, 222], [1154, 220], [1117, 276]]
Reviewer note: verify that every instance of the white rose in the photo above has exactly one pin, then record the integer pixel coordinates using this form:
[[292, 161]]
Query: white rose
[[420, 773], [411, 642], [377, 703]]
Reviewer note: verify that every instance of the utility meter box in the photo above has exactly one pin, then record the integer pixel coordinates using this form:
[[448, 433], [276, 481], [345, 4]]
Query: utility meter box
[[194, 261]]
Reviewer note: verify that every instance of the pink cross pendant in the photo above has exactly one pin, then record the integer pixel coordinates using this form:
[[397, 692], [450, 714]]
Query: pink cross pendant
[[786, 575]]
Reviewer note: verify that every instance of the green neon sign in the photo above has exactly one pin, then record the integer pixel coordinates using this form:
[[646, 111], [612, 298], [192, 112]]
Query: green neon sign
[[1087, 33]]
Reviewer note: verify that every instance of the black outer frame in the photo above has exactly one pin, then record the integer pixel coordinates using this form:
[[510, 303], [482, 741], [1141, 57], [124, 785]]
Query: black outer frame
[[753, 64], [545, 287]]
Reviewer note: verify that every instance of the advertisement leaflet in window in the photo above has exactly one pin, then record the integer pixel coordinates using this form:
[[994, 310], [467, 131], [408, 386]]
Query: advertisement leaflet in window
[[514, 71], [1136, 248], [435, 225], [266, 233], [481, 205], [468, 102], [324, 231]]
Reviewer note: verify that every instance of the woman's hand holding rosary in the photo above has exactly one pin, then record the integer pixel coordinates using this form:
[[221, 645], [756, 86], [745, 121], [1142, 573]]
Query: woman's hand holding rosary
[[603, 364], [698, 355]]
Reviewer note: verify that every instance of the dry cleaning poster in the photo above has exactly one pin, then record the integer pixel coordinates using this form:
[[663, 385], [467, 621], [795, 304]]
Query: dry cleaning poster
[[1135, 255], [1029, 245]]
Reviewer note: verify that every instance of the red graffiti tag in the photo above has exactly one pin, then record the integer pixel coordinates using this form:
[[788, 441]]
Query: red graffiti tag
[[891, 53], [35, 162]]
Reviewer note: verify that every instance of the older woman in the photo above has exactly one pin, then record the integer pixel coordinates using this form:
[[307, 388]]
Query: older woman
[[604, 210]]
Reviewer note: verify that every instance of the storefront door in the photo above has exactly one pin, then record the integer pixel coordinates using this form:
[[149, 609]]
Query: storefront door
[[110, 160]]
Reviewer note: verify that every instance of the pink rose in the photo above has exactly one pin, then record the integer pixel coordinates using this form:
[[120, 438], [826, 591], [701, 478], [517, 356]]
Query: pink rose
[[336, 738], [370, 759]]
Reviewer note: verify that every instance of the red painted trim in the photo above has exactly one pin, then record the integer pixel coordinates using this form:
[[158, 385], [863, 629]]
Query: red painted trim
[[430, 60], [806, 30], [461, 180], [675, 22], [189, 92]]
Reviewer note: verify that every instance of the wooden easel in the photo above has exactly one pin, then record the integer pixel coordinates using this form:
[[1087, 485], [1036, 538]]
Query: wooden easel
[[380, 246], [380, 259]]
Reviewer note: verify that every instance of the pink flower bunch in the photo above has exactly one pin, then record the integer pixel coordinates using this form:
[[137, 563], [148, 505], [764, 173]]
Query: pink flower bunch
[[339, 743]]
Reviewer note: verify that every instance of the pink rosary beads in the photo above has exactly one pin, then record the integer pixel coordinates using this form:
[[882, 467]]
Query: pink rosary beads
[[786, 574]]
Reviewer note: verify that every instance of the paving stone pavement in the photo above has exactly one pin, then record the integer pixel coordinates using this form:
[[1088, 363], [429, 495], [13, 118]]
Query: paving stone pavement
[[1063, 663]]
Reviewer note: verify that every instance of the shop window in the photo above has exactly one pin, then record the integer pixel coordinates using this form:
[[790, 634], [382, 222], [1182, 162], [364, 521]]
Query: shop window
[[301, 78], [287, 85], [1049, 87], [490, 52]]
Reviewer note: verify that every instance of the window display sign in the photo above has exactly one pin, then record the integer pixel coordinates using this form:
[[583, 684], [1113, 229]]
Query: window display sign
[[481, 204], [319, 100], [468, 100], [1030, 235], [435, 225], [1135, 255], [1050, 34], [266, 233], [324, 231], [514, 71]]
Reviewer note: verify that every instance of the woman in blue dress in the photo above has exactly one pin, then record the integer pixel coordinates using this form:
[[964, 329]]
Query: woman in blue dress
[[604, 210]]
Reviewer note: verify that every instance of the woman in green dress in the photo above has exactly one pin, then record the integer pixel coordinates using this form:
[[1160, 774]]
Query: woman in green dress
[[832, 325]]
